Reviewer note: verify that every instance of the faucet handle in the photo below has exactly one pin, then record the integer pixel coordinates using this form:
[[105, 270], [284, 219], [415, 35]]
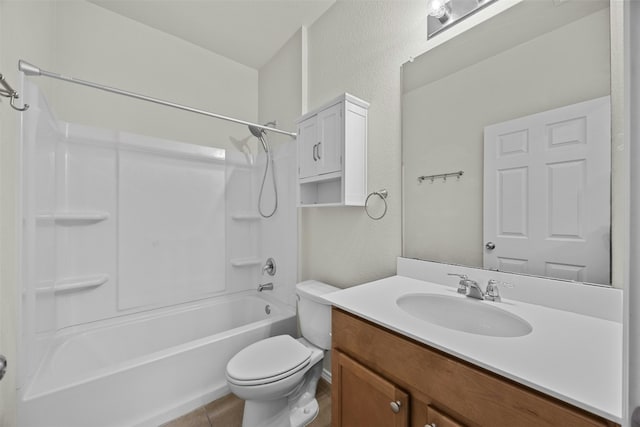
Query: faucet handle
[[492, 293], [463, 284], [269, 267]]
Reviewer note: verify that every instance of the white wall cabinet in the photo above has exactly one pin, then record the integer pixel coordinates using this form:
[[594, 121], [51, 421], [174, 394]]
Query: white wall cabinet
[[332, 154]]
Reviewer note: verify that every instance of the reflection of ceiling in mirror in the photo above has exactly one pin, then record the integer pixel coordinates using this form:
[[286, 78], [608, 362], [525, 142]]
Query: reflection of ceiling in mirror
[[443, 120], [521, 23]]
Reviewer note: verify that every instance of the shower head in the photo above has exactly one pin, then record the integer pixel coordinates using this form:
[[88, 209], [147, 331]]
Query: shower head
[[259, 133], [256, 131]]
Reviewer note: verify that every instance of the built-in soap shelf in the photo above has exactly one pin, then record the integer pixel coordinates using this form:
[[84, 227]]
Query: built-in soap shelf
[[75, 284], [73, 217], [245, 216], [246, 262]]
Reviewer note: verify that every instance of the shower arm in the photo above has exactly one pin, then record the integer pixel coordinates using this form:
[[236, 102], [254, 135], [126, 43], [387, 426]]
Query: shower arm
[[32, 70]]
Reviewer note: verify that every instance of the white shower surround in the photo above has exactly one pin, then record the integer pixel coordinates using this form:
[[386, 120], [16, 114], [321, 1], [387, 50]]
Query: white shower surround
[[140, 263]]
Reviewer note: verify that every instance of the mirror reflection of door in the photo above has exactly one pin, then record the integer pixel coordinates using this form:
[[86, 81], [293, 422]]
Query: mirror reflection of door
[[547, 193]]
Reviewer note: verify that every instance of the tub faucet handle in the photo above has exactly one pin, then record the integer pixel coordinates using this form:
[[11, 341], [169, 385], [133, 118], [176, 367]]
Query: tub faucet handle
[[269, 267]]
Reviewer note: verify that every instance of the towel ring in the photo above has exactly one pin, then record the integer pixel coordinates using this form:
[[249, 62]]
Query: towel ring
[[383, 194]]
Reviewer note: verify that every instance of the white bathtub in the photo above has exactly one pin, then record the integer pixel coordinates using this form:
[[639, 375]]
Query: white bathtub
[[148, 369]]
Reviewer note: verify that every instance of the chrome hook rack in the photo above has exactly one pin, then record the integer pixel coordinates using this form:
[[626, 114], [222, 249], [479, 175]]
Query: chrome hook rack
[[8, 92], [443, 176]]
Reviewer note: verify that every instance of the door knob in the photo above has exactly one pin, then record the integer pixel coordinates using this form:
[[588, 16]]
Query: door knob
[[490, 246], [395, 406]]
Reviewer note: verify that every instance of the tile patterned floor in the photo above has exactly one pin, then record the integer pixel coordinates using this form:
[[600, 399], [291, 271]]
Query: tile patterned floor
[[227, 412]]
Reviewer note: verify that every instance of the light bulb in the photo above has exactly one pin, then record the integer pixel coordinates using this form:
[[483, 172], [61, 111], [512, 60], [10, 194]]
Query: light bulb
[[439, 9]]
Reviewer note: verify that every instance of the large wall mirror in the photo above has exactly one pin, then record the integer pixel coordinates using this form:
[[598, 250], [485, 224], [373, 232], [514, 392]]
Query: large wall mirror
[[520, 106]]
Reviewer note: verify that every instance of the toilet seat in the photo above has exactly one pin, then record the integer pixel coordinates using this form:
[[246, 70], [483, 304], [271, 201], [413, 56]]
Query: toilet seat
[[267, 361]]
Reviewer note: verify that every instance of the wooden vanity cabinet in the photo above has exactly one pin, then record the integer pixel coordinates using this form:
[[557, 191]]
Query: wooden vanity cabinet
[[373, 367], [371, 399]]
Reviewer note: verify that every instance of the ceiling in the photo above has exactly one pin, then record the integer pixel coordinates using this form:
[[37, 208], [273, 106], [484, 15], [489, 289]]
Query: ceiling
[[247, 31]]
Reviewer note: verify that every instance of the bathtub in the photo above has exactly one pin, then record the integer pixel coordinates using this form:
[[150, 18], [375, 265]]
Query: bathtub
[[149, 368]]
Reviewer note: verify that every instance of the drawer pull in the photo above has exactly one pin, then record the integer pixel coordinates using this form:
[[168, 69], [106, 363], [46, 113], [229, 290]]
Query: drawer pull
[[395, 406]]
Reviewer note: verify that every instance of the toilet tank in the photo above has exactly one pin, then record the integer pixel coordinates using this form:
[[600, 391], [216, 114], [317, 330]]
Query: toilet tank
[[314, 312]]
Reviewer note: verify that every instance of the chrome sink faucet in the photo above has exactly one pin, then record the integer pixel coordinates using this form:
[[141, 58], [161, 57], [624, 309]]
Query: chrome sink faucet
[[468, 287], [472, 289]]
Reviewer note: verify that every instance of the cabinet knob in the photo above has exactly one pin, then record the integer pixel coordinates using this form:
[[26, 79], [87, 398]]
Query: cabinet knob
[[431, 425], [395, 406]]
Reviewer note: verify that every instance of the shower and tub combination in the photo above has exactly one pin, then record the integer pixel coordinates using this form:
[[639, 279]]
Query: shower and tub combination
[[142, 259]]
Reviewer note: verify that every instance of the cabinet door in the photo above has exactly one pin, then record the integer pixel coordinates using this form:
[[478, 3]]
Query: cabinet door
[[307, 145], [436, 418], [360, 397], [329, 150]]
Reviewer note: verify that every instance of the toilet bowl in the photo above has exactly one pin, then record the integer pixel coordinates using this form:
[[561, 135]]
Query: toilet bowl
[[277, 376]]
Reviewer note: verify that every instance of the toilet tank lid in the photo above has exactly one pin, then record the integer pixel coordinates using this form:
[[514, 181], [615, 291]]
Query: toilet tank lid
[[315, 290]]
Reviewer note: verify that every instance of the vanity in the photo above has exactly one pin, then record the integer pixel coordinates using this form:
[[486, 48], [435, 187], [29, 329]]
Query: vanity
[[393, 367]]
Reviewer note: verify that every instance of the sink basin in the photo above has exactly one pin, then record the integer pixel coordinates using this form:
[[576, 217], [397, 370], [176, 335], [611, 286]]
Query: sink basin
[[464, 314]]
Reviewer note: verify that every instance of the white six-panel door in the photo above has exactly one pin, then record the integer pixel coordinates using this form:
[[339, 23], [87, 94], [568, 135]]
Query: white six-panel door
[[547, 193]]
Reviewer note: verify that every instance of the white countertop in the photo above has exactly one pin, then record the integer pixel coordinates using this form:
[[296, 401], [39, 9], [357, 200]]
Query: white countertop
[[573, 357]]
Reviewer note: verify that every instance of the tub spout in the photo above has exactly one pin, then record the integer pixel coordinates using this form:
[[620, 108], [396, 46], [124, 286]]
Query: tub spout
[[265, 287]]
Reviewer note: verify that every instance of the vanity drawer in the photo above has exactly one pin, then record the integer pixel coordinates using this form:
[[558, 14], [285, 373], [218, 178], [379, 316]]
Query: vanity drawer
[[470, 395]]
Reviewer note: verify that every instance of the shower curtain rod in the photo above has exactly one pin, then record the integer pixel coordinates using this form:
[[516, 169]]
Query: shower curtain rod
[[32, 70]]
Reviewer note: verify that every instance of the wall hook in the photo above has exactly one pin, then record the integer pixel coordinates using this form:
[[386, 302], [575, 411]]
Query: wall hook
[[442, 176], [8, 92], [24, 107]]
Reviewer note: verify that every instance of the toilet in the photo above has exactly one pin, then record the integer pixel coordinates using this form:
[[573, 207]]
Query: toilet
[[277, 376]]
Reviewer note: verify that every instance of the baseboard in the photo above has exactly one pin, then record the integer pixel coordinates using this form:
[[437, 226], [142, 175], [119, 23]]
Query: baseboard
[[326, 375]]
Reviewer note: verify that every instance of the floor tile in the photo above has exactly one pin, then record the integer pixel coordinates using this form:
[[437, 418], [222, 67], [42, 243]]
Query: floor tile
[[197, 418], [227, 412]]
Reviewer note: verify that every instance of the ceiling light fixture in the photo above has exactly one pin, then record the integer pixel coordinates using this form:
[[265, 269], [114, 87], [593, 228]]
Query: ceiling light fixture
[[445, 13]]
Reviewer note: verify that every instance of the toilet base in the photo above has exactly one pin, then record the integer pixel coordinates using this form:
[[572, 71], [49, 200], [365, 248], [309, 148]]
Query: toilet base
[[266, 413], [297, 409], [303, 415], [277, 413]]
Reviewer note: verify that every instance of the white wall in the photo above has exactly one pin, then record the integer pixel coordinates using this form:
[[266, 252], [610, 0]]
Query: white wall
[[86, 41], [280, 88], [98, 45], [358, 47], [443, 124]]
